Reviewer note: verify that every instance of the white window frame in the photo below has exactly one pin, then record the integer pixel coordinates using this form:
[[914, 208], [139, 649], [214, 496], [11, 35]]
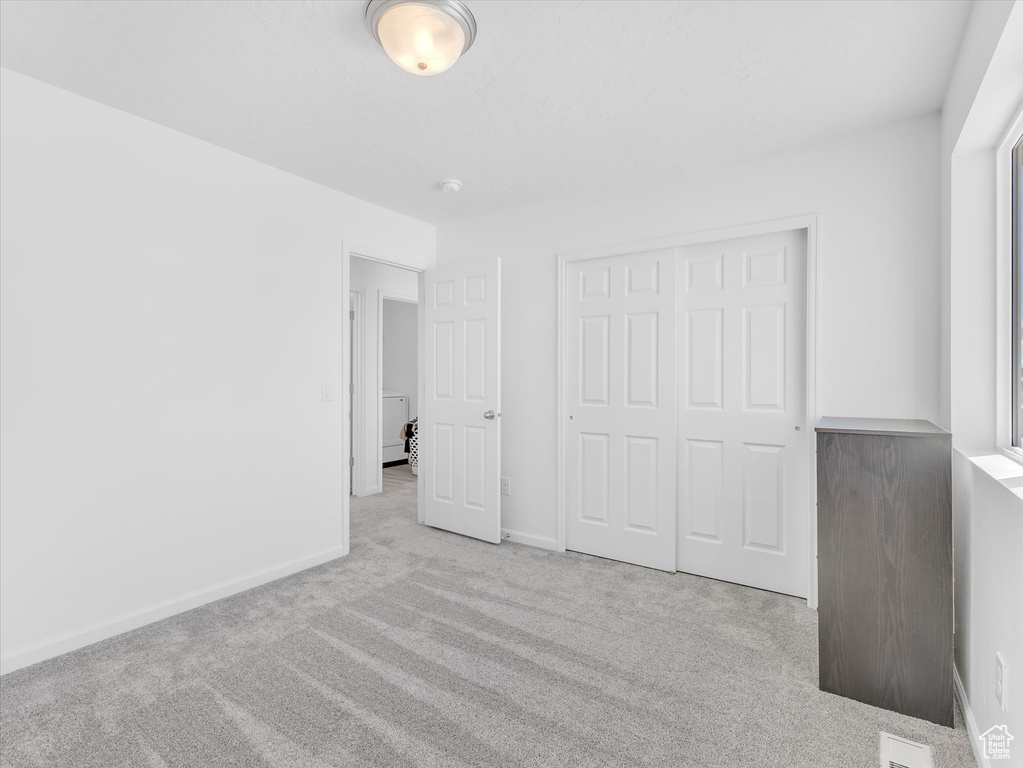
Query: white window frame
[[1004, 333]]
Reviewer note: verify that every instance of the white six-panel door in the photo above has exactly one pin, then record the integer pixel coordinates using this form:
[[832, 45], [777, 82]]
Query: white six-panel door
[[460, 425], [619, 409], [743, 457]]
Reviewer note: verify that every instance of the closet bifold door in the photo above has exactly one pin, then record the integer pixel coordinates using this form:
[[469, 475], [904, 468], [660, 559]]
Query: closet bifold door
[[744, 458], [620, 407], [885, 564]]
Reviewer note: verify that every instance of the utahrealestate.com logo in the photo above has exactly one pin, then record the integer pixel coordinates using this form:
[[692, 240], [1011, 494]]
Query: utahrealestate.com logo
[[995, 743]]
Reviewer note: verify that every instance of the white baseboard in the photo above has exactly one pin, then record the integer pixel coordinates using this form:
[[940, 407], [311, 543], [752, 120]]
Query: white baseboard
[[971, 724], [532, 540], [102, 630]]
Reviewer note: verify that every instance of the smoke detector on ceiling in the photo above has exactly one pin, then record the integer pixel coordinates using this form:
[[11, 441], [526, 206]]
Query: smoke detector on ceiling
[[451, 185]]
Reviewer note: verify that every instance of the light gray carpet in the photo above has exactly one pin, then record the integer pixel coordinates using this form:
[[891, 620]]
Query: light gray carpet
[[426, 648]]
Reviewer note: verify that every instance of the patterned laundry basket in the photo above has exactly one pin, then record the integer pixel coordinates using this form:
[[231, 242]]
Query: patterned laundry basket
[[413, 450]]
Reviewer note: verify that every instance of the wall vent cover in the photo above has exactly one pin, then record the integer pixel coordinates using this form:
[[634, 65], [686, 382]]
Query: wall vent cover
[[903, 753]]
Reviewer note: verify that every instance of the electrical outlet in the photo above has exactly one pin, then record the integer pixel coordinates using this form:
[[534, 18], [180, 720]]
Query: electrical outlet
[[327, 391], [1001, 680], [506, 486]]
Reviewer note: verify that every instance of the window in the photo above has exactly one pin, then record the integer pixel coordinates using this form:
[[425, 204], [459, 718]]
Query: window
[[1017, 294]]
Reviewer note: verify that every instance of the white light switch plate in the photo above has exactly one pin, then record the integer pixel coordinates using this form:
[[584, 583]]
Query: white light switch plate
[[327, 391]]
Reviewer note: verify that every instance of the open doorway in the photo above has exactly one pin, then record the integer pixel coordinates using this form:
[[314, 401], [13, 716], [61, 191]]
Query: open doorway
[[399, 379], [457, 396], [384, 359]]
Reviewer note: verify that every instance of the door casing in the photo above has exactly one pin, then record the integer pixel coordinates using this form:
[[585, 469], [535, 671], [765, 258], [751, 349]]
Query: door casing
[[811, 223], [356, 417]]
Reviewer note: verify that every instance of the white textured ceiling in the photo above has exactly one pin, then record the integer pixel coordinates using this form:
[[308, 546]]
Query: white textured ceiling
[[556, 97]]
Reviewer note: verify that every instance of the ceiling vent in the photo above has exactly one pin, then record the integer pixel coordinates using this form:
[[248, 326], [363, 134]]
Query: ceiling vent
[[903, 753]]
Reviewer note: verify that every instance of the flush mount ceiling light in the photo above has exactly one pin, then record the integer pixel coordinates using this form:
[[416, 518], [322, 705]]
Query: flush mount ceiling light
[[424, 37]]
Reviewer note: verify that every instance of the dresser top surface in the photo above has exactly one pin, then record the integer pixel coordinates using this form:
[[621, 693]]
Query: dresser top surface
[[898, 427]]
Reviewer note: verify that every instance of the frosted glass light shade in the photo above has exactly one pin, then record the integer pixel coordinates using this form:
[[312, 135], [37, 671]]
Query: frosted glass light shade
[[424, 38]]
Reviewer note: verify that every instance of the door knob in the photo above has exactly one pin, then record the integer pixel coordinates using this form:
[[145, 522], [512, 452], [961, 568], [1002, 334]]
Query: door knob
[[489, 415]]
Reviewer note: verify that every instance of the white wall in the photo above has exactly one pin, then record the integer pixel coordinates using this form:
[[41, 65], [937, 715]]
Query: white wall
[[982, 95], [400, 351], [988, 579], [984, 92], [877, 192], [169, 311], [373, 280]]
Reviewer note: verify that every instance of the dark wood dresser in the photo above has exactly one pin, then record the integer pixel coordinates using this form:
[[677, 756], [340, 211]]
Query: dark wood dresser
[[884, 558]]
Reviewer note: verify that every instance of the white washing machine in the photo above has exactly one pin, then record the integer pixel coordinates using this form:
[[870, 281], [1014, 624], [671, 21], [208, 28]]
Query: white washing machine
[[395, 415]]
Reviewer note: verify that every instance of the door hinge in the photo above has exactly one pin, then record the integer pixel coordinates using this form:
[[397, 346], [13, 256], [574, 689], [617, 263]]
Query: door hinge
[[351, 461], [351, 389], [351, 314]]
